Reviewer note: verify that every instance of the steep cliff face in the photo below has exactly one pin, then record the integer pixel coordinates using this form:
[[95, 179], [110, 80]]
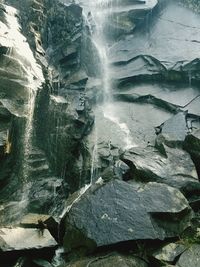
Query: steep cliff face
[[56, 154], [102, 97]]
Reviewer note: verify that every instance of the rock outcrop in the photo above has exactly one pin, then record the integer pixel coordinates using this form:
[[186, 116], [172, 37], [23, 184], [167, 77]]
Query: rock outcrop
[[101, 99], [123, 212], [175, 167]]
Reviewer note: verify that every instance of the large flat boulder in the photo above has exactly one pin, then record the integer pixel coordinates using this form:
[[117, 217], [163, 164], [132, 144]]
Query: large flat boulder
[[118, 212], [31, 220], [19, 239]]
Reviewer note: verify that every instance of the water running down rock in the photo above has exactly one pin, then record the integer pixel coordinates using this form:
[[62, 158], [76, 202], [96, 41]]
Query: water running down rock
[[99, 127]]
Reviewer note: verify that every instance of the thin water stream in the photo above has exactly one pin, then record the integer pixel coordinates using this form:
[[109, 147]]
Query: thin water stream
[[32, 81], [97, 15]]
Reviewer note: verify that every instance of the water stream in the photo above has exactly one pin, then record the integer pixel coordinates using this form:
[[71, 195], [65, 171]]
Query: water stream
[[97, 20], [98, 16], [20, 51]]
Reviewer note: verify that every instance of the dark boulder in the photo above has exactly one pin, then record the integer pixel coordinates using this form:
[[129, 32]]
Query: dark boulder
[[175, 169], [107, 214]]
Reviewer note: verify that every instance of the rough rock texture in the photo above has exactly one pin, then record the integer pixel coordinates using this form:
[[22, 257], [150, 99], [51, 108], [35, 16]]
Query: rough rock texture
[[190, 257], [175, 167], [110, 260], [123, 212], [154, 80], [74, 111], [44, 145]]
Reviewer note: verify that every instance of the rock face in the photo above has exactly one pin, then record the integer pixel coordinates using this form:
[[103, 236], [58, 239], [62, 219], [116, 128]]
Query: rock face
[[100, 98], [123, 212], [174, 168], [62, 112]]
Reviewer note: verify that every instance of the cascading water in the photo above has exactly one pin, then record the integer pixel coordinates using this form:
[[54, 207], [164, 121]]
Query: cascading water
[[104, 17], [98, 15], [20, 50]]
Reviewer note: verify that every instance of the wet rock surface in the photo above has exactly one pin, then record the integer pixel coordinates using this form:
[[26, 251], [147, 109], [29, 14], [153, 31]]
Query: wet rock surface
[[175, 167], [62, 131], [174, 130], [123, 212]]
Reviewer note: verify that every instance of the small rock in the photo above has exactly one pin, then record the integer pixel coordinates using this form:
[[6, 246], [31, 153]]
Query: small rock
[[169, 252]]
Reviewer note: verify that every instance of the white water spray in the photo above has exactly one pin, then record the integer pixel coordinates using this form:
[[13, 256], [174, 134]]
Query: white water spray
[[32, 79], [99, 14]]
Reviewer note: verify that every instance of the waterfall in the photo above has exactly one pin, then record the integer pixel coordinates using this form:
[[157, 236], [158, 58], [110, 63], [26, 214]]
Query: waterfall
[[98, 15], [20, 50]]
